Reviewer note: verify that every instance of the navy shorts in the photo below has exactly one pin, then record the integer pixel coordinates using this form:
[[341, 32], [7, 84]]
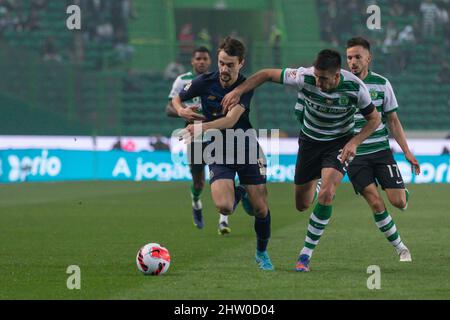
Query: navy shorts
[[249, 174], [378, 168], [313, 156]]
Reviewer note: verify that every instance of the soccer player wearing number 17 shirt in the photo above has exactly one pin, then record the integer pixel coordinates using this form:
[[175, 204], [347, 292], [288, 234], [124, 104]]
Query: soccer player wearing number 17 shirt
[[328, 98], [374, 163]]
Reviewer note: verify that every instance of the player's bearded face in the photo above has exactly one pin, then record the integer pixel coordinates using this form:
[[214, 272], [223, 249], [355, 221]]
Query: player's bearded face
[[358, 59], [229, 67]]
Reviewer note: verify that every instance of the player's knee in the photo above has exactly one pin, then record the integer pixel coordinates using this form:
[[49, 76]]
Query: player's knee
[[199, 185], [399, 202], [375, 201], [260, 210], [301, 205], [377, 206], [326, 196]]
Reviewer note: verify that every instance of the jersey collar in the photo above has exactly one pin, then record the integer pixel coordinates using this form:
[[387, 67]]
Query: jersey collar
[[369, 74]]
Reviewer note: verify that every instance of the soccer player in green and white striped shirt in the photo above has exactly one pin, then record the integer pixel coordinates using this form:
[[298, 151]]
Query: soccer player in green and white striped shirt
[[328, 98], [374, 163]]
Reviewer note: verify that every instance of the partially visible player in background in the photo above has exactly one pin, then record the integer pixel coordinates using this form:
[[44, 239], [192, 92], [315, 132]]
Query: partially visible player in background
[[250, 167], [200, 61], [374, 163]]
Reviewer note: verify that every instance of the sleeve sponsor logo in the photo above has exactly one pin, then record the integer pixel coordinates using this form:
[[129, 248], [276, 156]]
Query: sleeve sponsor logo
[[292, 74]]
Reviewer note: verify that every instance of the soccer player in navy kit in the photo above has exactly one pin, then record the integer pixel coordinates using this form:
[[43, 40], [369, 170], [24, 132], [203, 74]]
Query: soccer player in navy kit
[[211, 88]]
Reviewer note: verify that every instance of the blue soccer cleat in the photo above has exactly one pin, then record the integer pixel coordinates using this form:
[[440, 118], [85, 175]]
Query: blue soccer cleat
[[263, 260], [197, 214], [302, 263]]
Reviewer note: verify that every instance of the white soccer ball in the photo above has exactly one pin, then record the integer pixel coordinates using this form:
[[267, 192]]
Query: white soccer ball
[[153, 259]]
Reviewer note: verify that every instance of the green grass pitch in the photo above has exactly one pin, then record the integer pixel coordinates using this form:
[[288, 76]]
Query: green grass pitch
[[100, 226]]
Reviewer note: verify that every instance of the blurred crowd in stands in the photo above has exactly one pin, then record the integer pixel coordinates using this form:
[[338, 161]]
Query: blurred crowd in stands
[[107, 20], [188, 40], [405, 23], [104, 22], [427, 18], [13, 15]]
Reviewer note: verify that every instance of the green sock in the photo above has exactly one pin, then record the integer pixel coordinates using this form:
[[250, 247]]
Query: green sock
[[387, 226], [195, 193], [317, 223]]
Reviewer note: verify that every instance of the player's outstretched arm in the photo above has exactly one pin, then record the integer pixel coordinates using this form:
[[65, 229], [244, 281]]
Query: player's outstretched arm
[[264, 75], [225, 122], [396, 129], [373, 121], [193, 130], [170, 110], [186, 113]]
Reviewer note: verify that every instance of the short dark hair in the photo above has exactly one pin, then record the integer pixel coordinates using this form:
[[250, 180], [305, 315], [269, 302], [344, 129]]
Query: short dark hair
[[201, 49], [328, 60], [358, 41], [232, 47]]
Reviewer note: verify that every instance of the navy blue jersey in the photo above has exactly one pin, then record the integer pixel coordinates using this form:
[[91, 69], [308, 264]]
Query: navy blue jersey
[[207, 86]]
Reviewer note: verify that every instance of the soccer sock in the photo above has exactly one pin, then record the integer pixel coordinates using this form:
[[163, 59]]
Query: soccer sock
[[316, 193], [262, 228], [238, 194], [407, 199], [317, 223], [386, 225], [195, 193], [223, 218]]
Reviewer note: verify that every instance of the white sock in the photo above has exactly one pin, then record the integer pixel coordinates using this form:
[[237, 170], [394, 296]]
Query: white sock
[[400, 247], [223, 218], [197, 205], [306, 251]]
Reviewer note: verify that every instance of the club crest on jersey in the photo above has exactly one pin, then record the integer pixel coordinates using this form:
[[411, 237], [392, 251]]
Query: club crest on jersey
[[343, 100], [373, 94]]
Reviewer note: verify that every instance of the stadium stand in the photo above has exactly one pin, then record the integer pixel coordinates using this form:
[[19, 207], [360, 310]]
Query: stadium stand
[[108, 77]]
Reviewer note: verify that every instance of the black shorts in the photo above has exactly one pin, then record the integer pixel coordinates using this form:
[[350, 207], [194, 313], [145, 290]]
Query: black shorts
[[249, 174], [313, 156], [196, 164], [379, 168]]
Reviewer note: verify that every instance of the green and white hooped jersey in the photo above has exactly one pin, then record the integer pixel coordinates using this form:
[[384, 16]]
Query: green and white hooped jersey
[[326, 116], [384, 100], [180, 82]]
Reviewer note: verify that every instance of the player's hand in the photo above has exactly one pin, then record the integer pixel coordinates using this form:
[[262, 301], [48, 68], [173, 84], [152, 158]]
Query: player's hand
[[191, 132], [230, 101], [190, 114], [415, 165], [348, 153]]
